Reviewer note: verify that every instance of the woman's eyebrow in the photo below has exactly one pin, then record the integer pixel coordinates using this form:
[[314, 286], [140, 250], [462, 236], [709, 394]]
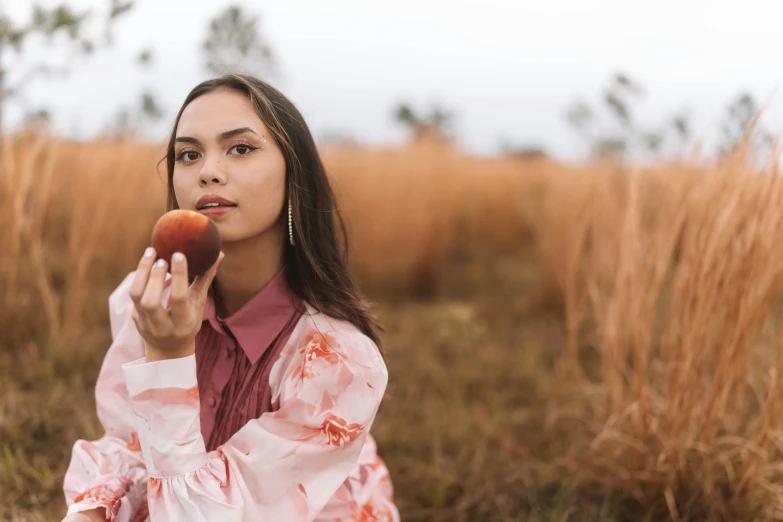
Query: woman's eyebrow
[[221, 137], [229, 134], [187, 139]]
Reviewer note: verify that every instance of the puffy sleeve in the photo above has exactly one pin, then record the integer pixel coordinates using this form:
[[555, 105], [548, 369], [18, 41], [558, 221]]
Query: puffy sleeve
[[284, 465], [110, 472]]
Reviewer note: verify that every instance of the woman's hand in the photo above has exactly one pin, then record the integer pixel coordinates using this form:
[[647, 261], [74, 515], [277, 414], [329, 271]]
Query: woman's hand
[[169, 333]]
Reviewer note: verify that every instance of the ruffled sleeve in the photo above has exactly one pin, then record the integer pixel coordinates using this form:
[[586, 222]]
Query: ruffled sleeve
[[284, 465], [110, 472]]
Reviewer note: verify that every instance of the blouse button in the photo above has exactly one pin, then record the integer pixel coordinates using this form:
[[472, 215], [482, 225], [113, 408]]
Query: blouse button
[[211, 401]]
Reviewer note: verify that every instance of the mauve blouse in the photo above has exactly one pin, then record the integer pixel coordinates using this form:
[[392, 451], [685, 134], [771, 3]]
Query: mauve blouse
[[234, 357]]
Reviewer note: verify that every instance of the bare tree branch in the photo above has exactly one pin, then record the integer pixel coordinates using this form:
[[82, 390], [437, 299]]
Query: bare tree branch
[[234, 43]]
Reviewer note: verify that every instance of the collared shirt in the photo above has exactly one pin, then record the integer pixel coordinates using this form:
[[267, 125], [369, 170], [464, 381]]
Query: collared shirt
[[234, 356]]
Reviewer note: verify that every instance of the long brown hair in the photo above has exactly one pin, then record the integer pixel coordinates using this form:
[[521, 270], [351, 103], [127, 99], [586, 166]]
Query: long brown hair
[[316, 267]]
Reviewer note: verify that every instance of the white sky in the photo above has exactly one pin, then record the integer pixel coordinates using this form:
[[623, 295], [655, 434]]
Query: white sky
[[508, 68]]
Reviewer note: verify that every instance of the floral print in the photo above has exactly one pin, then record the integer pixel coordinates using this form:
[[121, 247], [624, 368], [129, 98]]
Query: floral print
[[312, 459]]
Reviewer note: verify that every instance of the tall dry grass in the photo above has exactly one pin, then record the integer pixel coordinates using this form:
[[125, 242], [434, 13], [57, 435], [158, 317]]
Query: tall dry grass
[[408, 209], [667, 401], [75, 217], [671, 280], [72, 218]]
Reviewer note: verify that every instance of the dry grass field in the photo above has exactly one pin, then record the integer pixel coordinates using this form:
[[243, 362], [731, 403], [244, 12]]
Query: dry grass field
[[564, 342]]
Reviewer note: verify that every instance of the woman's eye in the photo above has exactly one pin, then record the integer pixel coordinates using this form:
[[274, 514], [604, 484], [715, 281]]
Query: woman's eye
[[188, 156], [242, 149]]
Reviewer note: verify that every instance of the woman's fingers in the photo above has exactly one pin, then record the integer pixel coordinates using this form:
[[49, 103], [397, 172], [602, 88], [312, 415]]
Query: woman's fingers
[[142, 275], [147, 294], [151, 301], [179, 299]]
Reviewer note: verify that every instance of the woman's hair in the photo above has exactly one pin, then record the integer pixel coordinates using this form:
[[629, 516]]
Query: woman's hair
[[316, 268]]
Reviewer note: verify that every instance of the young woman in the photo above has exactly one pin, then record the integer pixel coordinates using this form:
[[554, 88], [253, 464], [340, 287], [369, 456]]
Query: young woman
[[248, 393]]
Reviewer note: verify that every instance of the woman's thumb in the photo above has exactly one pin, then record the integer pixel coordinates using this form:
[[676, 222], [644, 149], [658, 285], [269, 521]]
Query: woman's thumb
[[203, 282], [212, 272]]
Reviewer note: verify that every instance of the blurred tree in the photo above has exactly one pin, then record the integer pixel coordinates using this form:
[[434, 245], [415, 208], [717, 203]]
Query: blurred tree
[[150, 107], [145, 58], [681, 125], [131, 121], [618, 97], [50, 24], [741, 122], [524, 152], [146, 110], [38, 121], [508, 147], [622, 134], [234, 44], [407, 117], [581, 116], [610, 148], [653, 140], [437, 123]]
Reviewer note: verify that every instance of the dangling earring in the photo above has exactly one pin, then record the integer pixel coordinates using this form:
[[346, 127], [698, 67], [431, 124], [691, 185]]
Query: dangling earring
[[290, 225]]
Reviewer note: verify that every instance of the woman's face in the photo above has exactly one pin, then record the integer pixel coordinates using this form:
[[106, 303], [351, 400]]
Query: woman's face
[[223, 148]]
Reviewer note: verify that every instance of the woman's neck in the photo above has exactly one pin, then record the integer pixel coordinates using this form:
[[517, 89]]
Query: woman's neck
[[248, 267]]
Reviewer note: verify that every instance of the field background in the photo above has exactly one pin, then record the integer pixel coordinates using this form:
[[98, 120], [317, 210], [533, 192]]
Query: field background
[[564, 342]]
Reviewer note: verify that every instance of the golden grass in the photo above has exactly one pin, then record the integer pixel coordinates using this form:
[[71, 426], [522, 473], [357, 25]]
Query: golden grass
[[408, 209], [651, 391], [76, 215], [672, 281]]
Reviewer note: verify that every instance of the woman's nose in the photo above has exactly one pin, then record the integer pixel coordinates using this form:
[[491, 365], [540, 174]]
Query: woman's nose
[[205, 180], [211, 173]]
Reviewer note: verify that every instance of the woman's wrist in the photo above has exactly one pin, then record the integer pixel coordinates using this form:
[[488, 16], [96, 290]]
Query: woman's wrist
[[96, 514], [154, 353], [92, 515]]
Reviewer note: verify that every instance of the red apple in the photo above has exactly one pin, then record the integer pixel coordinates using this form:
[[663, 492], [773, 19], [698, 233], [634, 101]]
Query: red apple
[[190, 233]]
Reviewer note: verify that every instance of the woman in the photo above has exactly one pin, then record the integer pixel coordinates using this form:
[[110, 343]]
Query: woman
[[248, 393]]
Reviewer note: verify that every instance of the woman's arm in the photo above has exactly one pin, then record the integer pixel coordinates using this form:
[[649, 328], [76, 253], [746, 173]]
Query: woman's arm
[[284, 465], [109, 474]]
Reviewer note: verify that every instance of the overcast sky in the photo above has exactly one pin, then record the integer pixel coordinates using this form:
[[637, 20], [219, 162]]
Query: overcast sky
[[508, 68]]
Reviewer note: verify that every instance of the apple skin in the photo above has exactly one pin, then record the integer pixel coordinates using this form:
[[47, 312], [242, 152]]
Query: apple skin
[[190, 233]]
